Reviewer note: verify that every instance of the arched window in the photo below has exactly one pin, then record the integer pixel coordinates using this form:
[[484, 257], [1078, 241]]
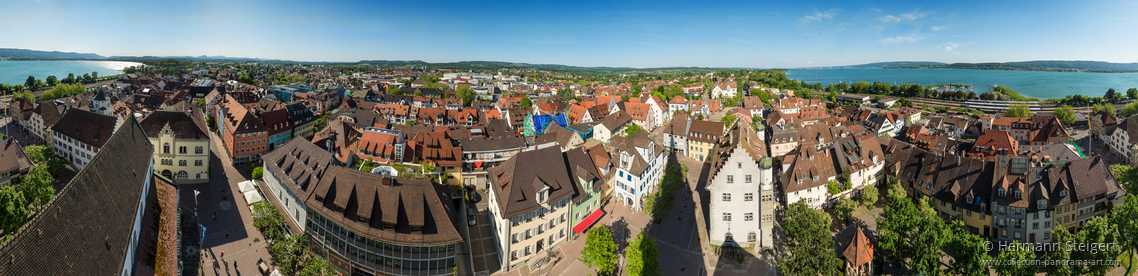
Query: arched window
[[198, 150], [199, 176], [730, 237], [166, 148], [183, 175], [751, 237]]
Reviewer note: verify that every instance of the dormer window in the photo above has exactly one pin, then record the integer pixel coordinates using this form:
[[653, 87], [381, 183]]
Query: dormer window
[[1063, 193], [1019, 194], [543, 195], [1042, 203], [1003, 193]]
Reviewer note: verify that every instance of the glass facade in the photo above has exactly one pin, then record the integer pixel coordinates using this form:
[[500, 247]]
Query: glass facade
[[369, 255]]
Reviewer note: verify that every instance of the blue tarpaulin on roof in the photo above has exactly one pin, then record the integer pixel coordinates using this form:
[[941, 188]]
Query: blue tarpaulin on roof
[[560, 119]]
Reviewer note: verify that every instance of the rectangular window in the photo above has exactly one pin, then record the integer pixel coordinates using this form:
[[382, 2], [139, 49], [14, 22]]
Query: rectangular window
[[748, 216], [748, 197], [730, 179], [748, 179], [726, 216], [726, 197]]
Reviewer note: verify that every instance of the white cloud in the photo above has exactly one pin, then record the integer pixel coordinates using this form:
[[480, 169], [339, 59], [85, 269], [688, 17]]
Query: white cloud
[[917, 14], [899, 39], [842, 27], [809, 62], [948, 46], [939, 28], [819, 16]]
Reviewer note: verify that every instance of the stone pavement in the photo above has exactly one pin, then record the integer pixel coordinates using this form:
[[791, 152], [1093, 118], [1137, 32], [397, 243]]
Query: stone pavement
[[232, 231]]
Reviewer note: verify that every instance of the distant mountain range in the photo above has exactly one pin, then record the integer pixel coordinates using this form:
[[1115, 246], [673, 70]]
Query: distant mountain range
[[882, 65], [1041, 65], [9, 53]]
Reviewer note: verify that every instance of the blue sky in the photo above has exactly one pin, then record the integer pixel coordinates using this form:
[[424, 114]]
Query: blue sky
[[585, 33]]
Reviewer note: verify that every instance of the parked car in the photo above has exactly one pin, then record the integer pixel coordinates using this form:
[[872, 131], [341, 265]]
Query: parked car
[[470, 217]]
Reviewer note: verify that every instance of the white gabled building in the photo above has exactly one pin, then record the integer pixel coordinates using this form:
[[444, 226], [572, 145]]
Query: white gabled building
[[807, 177], [640, 166], [724, 90], [741, 192], [80, 134], [861, 156], [1120, 141]]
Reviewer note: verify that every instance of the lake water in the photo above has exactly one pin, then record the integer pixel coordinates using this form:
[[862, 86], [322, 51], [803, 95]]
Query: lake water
[[17, 72], [1042, 85]]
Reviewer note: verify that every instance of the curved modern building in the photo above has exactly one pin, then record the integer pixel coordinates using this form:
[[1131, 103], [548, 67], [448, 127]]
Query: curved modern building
[[363, 223]]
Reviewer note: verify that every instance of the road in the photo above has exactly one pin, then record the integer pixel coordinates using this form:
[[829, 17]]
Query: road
[[232, 232]]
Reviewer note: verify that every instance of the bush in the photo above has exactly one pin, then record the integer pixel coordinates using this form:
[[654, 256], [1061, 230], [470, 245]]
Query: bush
[[258, 172], [869, 196]]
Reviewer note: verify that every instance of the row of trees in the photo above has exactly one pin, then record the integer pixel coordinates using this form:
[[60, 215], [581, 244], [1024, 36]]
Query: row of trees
[[18, 202], [600, 253]]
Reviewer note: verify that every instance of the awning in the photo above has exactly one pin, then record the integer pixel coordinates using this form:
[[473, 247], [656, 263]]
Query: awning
[[580, 227], [252, 197], [478, 164]]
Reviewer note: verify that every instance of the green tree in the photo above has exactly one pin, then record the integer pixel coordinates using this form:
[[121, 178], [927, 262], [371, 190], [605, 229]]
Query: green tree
[[465, 93], [200, 103], [727, 119], [1130, 109], [1099, 231], [833, 187], [36, 187], [809, 245], [525, 102], [95, 75], [13, 209], [70, 78], [268, 220], [418, 92], [1066, 114], [287, 252], [1127, 177], [566, 94], [45, 157], [1110, 109], [258, 172], [970, 254], [911, 231], [671, 91], [1058, 257], [51, 80], [860, 87], [632, 129], [30, 83], [844, 208], [1018, 110], [600, 251], [641, 256], [1124, 220], [869, 196], [1132, 93], [246, 79], [1110, 95], [316, 266], [1014, 261]]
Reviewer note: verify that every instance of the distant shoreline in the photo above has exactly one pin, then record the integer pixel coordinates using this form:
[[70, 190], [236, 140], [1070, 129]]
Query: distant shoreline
[[1058, 70]]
